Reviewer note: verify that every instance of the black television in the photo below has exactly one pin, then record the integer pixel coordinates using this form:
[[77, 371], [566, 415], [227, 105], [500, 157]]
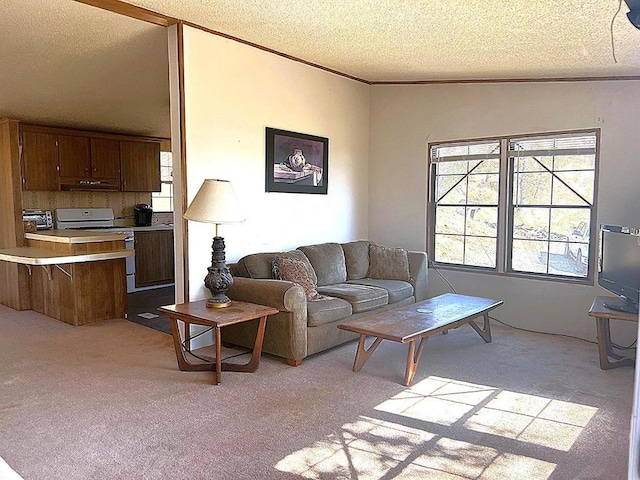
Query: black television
[[619, 266]]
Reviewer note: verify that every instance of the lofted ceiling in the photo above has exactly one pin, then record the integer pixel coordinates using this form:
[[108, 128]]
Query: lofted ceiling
[[71, 64]]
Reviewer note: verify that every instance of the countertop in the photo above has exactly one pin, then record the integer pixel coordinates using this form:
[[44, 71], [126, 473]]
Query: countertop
[[74, 236], [41, 256], [157, 226]]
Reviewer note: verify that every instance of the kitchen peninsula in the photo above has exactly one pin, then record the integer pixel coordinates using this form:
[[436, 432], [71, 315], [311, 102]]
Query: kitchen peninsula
[[76, 276]]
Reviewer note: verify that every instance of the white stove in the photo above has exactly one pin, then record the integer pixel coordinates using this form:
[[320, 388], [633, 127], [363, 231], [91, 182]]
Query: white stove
[[98, 219]]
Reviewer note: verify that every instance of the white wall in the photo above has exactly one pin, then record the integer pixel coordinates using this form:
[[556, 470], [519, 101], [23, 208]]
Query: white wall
[[232, 92], [405, 118]]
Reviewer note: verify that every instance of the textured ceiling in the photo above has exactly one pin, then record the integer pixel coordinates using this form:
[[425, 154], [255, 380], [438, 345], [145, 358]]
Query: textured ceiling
[[418, 40], [69, 64]]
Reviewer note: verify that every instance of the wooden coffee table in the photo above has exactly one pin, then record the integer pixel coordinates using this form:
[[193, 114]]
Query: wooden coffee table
[[417, 322], [197, 313]]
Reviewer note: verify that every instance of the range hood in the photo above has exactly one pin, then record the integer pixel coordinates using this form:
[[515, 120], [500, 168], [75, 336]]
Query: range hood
[[72, 184]]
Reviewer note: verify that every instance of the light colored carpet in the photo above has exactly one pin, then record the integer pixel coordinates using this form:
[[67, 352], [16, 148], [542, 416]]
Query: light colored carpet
[[107, 401]]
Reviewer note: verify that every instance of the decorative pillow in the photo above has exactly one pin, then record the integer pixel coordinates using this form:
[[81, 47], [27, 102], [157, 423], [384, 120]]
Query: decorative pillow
[[387, 263], [356, 256], [327, 260], [297, 271]]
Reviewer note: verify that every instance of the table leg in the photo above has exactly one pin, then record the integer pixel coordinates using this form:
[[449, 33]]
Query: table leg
[[605, 347], [183, 363], [216, 330], [252, 365], [363, 353], [413, 359], [484, 332]]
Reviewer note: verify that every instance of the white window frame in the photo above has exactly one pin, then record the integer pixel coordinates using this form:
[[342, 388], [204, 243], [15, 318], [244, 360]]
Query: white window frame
[[155, 195], [506, 209]]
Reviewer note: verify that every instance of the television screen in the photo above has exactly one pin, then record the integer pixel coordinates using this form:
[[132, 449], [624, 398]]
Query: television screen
[[619, 270]]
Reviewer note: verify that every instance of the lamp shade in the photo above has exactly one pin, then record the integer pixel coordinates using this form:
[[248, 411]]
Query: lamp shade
[[215, 202]]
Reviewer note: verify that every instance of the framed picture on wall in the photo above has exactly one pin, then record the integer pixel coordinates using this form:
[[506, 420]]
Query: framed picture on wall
[[296, 162]]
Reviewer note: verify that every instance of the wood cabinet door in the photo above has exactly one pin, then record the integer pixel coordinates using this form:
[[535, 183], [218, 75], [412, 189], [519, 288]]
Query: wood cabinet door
[[105, 158], [154, 257], [39, 161], [140, 166], [74, 156]]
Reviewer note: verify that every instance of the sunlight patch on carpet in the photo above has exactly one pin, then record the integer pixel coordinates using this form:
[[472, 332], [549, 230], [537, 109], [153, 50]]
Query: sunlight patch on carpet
[[425, 440]]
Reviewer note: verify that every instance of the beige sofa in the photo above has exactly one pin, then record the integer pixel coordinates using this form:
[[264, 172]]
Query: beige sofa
[[350, 282]]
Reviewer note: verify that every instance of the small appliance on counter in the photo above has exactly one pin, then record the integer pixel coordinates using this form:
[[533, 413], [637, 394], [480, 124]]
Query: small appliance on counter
[[142, 215], [42, 218]]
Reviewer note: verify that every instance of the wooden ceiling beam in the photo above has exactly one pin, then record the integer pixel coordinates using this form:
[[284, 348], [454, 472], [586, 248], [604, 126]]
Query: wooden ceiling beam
[[132, 11]]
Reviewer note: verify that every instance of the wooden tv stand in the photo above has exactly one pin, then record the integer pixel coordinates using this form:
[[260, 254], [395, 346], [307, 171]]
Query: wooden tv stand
[[602, 315]]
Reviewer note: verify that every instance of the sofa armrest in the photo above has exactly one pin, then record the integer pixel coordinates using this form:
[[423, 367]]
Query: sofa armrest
[[286, 331], [280, 294], [419, 270]]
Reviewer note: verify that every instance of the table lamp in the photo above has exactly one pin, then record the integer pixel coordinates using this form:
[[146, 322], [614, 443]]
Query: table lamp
[[216, 203]]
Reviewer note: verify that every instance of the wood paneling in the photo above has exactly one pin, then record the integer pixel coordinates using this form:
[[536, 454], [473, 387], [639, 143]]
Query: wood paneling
[[95, 291], [14, 281], [154, 257], [74, 156], [105, 158], [140, 166], [73, 248], [39, 161]]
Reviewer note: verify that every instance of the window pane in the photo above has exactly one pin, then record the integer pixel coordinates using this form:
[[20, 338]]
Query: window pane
[[450, 220], [528, 164], [457, 195], [529, 256], [449, 249], [488, 166], [480, 252], [532, 189], [531, 223], [581, 183], [483, 189], [451, 168], [482, 221], [565, 220], [574, 162]]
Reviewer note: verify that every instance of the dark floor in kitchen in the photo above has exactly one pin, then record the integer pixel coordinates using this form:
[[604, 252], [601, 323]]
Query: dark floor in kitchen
[[143, 305]]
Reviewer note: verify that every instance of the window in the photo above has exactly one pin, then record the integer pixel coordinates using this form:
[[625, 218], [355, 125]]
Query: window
[[162, 201], [520, 205]]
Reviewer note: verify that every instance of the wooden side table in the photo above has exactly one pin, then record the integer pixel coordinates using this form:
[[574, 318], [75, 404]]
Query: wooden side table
[[602, 315], [198, 314]]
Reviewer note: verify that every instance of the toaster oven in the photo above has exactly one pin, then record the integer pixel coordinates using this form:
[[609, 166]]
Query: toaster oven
[[43, 218]]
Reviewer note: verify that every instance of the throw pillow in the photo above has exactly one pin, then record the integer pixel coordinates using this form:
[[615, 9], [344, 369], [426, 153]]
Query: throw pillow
[[386, 263], [297, 271]]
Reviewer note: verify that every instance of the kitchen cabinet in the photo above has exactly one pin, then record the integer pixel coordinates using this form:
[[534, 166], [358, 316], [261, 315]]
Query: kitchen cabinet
[[154, 257], [74, 156], [39, 161], [105, 158], [140, 166], [64, 159], [83, 157]]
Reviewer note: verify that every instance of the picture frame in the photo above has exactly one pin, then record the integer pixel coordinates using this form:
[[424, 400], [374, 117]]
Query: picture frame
[[296, 162]]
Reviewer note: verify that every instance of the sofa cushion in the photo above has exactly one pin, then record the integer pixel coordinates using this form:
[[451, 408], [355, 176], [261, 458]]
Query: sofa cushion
[[398, 290], [356, 256], [328, 262], [294, 270], [361, 297], [327, 310], [260, 265], [388, 263]]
